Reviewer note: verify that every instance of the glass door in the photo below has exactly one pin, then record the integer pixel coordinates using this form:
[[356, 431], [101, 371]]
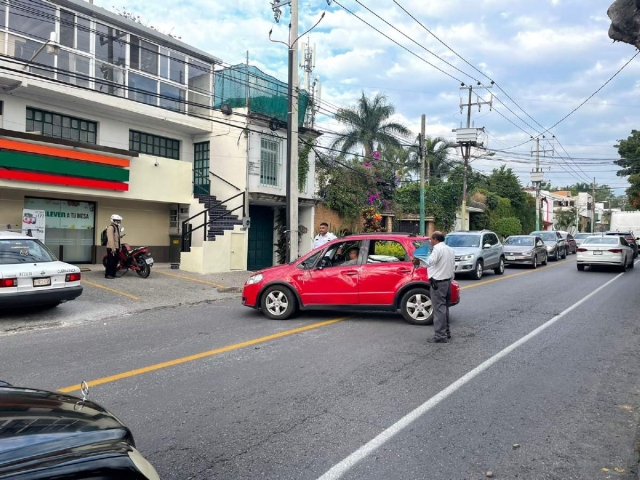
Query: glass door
[[201, 182]]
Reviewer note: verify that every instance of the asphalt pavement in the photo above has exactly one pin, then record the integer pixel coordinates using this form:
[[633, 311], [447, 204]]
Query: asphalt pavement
[[540, 381]]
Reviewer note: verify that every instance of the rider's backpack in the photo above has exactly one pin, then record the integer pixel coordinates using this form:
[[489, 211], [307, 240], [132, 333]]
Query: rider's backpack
[[103, 238]]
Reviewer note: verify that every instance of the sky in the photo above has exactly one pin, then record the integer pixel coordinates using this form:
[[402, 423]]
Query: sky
[[545, 56]]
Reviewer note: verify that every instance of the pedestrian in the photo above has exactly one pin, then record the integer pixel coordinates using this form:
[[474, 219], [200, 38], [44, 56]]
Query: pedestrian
[[113, 246], [324, 236], [441, 268]]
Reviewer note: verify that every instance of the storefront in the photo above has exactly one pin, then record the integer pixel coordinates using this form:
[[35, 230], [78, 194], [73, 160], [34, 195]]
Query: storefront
[[69, 227]]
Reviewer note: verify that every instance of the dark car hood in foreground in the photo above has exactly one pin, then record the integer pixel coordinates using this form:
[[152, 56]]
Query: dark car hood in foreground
[[43, 431]]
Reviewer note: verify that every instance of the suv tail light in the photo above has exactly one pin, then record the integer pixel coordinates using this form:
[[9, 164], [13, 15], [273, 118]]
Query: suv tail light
[[581, 249], [73, 277], [630, 239], [615, 250], [8, 282]]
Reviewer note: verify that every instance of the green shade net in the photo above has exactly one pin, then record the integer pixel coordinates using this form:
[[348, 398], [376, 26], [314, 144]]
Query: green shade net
[[267, 95]]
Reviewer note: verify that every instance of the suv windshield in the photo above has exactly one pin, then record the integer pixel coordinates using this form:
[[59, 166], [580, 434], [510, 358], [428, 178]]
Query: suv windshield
[[463, 240], [24, 251], [524, 241]]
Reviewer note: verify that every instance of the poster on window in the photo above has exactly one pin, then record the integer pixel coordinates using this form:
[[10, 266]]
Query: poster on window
[[66, 214], [33, 223]]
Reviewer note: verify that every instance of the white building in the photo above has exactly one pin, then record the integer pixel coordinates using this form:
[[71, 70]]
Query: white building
[[551, 203], [102, 115]]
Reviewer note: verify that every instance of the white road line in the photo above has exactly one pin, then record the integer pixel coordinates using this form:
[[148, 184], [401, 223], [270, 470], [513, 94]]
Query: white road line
[[338, 470]]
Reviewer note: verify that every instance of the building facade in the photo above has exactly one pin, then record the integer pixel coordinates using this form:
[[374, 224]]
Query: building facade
[[101, 115]]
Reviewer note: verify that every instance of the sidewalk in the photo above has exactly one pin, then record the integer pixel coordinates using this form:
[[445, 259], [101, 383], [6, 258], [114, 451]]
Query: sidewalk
[[230, 282]]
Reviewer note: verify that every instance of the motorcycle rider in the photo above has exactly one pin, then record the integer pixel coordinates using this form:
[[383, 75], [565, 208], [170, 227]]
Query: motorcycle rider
[[113, 246]]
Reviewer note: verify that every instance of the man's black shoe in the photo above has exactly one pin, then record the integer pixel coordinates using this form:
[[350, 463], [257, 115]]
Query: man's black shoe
[[436, 340], [109, 277], [448, 335]]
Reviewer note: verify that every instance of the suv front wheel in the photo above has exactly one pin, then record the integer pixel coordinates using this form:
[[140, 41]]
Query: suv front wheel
[[499, 270], [479, 270], [278, 303]]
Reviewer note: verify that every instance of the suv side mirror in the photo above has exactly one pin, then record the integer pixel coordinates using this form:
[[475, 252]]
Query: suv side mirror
[[487, 245]]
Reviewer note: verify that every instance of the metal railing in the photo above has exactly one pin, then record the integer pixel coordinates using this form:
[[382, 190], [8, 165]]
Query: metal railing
[[208, 218], [225, 181]]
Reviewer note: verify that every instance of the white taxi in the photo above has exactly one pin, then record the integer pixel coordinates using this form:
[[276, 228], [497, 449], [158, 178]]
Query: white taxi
[[30, 275]]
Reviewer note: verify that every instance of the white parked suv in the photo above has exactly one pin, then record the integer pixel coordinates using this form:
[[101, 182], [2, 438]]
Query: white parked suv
[[30, 275], [476, 252]]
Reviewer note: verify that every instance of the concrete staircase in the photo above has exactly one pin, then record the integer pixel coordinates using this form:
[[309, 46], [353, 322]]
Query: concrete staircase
[[220, 219]]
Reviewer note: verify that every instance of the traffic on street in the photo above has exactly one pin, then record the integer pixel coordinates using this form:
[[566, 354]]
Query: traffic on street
[[539, 380]]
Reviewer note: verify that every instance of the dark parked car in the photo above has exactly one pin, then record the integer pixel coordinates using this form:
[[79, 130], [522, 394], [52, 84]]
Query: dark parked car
[[48, 435], [631, 239], [525, 250], [556, 246], [572, 246]]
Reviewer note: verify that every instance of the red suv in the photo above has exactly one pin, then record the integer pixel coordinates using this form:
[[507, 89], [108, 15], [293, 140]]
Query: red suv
[[375, 271]]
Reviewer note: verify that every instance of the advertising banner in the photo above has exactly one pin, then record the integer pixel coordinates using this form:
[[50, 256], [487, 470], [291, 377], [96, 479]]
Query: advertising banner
[[33, 223], [65, 214]]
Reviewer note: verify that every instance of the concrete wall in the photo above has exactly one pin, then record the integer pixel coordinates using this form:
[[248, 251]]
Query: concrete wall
[[215, 257]]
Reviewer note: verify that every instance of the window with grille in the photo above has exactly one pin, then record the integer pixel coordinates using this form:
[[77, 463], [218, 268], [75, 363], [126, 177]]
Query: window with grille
[[154, 145], [56, 125], [269, 162]]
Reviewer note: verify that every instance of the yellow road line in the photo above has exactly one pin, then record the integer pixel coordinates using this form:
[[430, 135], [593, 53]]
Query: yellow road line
[[133, 297], [191, 279], [197, 356], [506, 277]]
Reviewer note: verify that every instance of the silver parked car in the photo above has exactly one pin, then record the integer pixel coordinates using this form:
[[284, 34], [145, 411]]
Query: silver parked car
[[605, 250], [580, 237], [476, 252], [556, 245], [525, 250]]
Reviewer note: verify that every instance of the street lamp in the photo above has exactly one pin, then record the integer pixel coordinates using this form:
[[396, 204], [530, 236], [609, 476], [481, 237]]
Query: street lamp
[[51, 45]]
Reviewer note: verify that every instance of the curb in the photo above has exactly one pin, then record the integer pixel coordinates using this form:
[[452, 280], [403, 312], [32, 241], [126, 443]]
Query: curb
[[229, 289]]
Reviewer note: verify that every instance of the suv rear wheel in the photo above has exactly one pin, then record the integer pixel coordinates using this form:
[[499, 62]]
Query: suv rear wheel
[[479, 270], [416, 307], [278, 303]]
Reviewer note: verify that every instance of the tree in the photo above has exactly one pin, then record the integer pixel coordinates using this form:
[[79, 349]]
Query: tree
[[436, 157], [633, 192], [368, 126], [566, 218], [507, 226], [629, 151]]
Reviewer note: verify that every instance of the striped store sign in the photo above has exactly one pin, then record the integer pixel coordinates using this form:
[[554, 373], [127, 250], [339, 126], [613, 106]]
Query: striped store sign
[[29, 162]]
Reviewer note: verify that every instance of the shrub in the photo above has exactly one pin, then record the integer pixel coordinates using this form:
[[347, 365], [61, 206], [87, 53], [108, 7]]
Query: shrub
[[392, 249], [508, 226]]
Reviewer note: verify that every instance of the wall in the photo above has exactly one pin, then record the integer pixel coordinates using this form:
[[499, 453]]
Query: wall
[[306, 218], [146, 223], [213, 257], [325, 214]]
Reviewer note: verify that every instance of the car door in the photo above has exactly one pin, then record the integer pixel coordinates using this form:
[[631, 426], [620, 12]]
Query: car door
[[562, 245], [540, 249], [627, 250], [385, 270], [333, 284], [489, 250]]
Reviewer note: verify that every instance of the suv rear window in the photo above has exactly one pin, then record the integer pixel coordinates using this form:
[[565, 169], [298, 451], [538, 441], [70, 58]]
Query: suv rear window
[[601, 241], [463, 240], [24, 251]]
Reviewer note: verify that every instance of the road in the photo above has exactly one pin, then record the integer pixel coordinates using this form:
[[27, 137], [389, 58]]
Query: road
[[218, 391]]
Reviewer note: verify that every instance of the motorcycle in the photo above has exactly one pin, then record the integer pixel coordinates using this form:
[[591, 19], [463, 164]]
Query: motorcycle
[[138, 259]]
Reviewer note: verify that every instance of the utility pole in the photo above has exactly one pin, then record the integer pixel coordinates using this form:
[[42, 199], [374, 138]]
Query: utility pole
[[422, 160], [466, 138], [593, 203], [537, 176], [292, 128]]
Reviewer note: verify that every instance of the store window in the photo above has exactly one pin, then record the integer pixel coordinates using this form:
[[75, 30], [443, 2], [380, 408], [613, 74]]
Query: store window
[[69, 227], [154, 145], [56, 125]]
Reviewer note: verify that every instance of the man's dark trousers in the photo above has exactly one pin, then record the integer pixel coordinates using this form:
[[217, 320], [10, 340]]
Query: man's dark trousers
[[440, 301], [112, 262]]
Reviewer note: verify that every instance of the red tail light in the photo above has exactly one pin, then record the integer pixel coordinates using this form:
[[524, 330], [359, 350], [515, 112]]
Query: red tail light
[[73, 277], [581, 250], [630, 239], [615, 250], [8, 282]]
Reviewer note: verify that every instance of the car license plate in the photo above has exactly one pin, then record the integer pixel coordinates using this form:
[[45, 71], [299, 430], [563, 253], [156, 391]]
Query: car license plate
[[597, 253], [149, 260], [510, 257], [41, 282]]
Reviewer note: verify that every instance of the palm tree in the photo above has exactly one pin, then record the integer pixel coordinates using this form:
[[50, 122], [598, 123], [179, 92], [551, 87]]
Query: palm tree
[[436, 158], [368, 126]]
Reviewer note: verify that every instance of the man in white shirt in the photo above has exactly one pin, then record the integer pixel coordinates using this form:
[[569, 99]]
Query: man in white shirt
[[324, 236], [440, 268]]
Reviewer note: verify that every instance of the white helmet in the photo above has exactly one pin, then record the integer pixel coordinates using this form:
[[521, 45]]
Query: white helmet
[[116, 218]]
